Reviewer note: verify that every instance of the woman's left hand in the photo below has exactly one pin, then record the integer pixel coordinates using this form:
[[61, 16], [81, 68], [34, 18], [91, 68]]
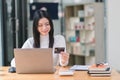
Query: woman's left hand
[[64, 57]]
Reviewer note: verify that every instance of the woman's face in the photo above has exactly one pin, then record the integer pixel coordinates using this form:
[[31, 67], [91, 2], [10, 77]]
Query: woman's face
[[44, 26]]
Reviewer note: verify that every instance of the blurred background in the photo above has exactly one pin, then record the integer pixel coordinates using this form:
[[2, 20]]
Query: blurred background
[[90, 28]]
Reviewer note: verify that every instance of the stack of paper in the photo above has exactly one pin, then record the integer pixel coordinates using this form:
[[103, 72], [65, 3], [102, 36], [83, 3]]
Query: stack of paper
[[99, 70], [79, 67]]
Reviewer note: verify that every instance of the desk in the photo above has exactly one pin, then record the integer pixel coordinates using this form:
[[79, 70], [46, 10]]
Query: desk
[[78, 75]]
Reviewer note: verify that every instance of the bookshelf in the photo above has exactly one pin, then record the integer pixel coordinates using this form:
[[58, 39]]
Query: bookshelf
[[81, 24]]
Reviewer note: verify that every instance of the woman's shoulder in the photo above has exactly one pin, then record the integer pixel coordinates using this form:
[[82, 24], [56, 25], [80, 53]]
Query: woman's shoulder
[[28, 43], [58, 36], [59, 41], [30, 39]]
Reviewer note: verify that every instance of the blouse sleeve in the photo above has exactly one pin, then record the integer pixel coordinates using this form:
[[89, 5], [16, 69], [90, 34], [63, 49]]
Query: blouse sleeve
[[28, 43], [60, 42]]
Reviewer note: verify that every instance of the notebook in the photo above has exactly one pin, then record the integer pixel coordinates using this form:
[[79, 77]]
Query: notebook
[[34, 60], [79, 67]]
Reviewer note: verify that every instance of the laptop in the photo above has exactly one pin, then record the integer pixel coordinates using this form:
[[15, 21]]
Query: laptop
[[34, 60]]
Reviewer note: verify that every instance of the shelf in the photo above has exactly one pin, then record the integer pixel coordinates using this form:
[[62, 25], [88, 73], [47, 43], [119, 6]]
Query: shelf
[[80, 28], [84, 29]]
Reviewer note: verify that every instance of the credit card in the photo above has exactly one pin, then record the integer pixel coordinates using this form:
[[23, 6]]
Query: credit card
[[59, 49]]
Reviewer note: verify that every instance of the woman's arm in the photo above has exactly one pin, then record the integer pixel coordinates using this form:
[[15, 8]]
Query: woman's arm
[[28, 44], [63, 56]]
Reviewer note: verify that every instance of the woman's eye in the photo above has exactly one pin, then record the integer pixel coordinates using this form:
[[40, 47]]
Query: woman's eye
[[39, 25], [47, 24]]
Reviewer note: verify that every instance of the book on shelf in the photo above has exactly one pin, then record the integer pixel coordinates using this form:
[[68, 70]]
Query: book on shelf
[[72, 22]]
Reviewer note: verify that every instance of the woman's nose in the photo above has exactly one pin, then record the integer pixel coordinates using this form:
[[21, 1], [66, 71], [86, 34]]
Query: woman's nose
[[44, 27]]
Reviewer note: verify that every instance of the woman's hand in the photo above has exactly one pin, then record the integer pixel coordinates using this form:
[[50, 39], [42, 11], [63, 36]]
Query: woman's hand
[[64, 57]]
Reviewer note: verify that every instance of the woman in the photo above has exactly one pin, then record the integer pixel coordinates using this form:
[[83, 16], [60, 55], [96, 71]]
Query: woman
[[43, 37]]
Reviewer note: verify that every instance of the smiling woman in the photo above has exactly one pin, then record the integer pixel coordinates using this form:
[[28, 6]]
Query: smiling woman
[[43, 26], [43, 37]]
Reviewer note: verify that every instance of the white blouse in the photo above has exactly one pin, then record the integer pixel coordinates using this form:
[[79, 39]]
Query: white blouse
[[59, 41]]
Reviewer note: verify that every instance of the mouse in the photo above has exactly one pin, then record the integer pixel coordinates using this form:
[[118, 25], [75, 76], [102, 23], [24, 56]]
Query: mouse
[[12, 70]]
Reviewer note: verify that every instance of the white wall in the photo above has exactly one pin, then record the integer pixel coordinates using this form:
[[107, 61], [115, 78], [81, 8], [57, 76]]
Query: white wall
[[113, 33]]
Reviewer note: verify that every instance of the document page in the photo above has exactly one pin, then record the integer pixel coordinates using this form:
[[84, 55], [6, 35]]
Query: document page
[[79, 67]]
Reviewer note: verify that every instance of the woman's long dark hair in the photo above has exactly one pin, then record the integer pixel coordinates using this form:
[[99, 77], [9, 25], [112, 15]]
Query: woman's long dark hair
[[36, 34]]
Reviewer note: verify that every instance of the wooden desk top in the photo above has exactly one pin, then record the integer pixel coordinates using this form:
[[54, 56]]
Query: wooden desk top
[[78, 75]]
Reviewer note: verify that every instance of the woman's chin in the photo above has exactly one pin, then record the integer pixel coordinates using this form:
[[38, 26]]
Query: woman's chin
[[45, 34]]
